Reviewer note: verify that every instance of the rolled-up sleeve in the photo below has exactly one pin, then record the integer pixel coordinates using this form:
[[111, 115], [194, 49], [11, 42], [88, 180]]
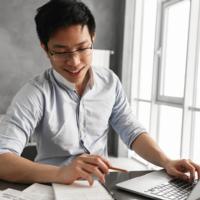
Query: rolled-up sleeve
[[123, 120], [20, 120]]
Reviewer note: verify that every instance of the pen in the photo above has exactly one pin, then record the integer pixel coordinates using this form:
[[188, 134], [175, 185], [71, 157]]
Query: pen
[[110, 167], [83, 146], [118, 169]]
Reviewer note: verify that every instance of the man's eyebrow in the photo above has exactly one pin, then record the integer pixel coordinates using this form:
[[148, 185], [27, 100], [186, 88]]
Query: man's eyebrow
[[60, 46]]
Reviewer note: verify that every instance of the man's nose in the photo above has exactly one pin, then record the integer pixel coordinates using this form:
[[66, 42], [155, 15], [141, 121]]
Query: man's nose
[[73, 60]]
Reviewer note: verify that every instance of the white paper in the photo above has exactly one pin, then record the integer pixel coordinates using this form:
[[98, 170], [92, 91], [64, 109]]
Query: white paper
[[81, 190], [38, 192], [34, 192], [11, 194]]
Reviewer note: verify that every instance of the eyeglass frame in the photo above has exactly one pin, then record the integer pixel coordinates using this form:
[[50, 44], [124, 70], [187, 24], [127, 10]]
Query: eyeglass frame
[[67, 55]]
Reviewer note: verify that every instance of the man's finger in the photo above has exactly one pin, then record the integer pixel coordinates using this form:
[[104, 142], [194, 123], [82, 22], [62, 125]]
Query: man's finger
[[92, 169], [97, 161], [106, 161], [190, 168], [174, 172], [197, 168], [86, 176]]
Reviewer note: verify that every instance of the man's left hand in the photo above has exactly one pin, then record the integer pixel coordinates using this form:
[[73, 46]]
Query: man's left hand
[[179, 168]]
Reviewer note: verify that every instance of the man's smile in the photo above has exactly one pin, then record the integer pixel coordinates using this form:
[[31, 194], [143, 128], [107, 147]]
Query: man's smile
[[74, 72]]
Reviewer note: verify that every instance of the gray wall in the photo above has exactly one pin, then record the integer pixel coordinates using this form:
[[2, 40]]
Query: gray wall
[[20, 54]]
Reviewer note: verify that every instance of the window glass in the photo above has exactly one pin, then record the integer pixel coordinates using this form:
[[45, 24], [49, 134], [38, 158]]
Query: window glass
[[198, 83], [174, 49], [144, 113], [170, 130], [147, 48], [196, 146], [172, 37]]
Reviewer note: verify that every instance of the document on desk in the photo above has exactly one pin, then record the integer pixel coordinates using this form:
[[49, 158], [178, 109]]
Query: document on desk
[[38, 191], [34, 192], [11, 194], [81, 190]]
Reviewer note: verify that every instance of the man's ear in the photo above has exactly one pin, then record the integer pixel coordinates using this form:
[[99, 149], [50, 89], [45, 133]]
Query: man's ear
[[44, 47], [93, 37]]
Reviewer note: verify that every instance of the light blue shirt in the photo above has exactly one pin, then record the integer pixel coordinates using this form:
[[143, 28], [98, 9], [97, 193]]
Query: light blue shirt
[[49, 108]]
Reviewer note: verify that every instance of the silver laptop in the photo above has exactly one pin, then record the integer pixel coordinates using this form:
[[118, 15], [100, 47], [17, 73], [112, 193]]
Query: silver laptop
[[159, 185]]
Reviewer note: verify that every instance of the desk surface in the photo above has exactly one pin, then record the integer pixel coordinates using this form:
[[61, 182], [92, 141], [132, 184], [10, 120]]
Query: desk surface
[[111, 180]]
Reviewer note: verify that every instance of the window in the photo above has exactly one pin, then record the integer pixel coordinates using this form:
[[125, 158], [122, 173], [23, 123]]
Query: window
[[164, 82], [196, 146], [172, 48], [197, 102], [170, 124]]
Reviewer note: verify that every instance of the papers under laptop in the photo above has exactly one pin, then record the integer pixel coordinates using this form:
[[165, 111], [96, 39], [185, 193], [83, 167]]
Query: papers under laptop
[[158, 185], [81, 190]]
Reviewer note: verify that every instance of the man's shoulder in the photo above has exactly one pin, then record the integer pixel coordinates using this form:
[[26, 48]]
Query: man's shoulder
[[105, 73], [42, 80], [42, 77], [102, 70], [36, 86]]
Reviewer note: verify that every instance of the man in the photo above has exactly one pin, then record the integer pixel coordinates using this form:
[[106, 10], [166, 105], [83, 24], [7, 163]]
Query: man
[[69, 109]]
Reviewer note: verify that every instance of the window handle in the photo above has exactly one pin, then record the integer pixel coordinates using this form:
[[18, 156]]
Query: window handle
[[158, 52]]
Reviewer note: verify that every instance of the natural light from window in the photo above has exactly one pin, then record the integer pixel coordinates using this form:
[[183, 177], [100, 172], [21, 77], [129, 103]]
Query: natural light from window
[[198, 84], [147, 49], [176, 23], [170, 130], [162, 46], [196, 146]]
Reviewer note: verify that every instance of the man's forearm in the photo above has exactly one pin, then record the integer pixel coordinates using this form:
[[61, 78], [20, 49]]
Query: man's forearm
[[17, 169], [147, 148]]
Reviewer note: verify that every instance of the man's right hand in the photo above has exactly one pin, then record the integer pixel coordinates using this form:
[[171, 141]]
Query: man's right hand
[[85, 167]]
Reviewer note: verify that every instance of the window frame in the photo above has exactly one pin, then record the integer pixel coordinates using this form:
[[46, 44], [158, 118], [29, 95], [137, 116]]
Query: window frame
[[131, 65], [159, 45]]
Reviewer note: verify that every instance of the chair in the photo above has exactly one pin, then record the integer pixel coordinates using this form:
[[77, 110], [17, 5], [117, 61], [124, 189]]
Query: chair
[[29, 152]]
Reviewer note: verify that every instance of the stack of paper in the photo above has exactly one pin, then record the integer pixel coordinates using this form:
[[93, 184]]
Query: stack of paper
[[81, 190], [35, 192], [77, 191], [11, 194]]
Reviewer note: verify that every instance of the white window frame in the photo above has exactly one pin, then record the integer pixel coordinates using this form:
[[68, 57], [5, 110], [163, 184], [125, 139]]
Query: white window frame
[[159, 50], [131, 64]]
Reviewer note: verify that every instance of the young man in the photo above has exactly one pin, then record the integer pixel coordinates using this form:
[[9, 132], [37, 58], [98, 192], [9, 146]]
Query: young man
[[69, 108]]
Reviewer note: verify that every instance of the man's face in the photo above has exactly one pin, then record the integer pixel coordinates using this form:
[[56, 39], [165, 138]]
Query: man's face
[[70, 52]]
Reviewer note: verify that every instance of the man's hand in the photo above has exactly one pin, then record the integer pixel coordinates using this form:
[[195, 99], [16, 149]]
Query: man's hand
[[147, 148], [86, 167], [179, 168]]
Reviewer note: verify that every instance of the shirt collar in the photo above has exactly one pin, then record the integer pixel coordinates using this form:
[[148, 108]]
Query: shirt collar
[[91, 78], [71, 85]]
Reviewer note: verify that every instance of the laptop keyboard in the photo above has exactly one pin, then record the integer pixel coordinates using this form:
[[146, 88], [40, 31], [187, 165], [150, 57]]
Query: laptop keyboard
[[175, 189]]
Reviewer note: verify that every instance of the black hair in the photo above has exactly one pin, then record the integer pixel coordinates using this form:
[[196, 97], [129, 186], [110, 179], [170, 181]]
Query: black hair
[[57, 14]]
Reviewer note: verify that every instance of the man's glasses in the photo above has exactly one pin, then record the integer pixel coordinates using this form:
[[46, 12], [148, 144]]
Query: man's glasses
[[66, 56]]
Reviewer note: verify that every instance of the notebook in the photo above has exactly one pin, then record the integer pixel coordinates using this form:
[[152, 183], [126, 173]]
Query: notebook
[[81, 190], [159, 185]]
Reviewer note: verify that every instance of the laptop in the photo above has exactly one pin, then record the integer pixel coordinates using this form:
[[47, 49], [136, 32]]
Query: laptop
[[159, 185]]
